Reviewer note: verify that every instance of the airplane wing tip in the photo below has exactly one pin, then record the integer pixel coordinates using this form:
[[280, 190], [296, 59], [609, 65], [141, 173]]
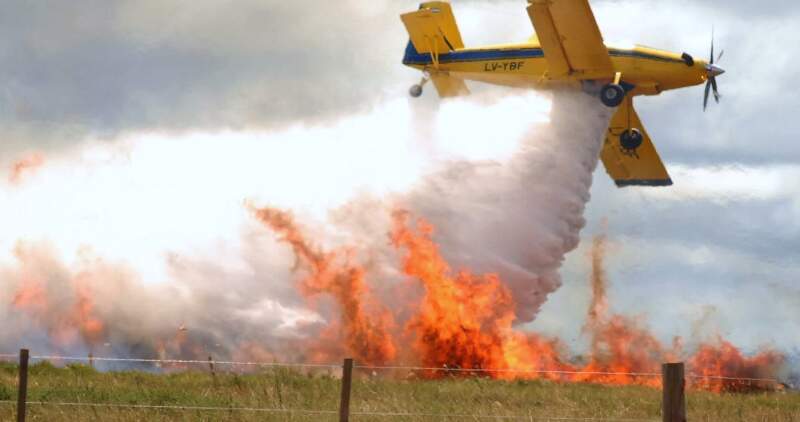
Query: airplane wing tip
[[643, 182]]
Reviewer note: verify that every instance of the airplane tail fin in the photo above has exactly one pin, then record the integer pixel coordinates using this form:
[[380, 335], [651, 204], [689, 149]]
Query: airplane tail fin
[[433, 28], [433, 32]]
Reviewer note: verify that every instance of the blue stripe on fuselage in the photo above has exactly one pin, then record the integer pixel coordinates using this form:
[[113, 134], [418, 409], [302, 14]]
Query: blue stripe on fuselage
[[629, 53], [412, 56]]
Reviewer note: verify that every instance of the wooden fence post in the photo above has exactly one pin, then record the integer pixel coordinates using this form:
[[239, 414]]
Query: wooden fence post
[[674, 389], [91, 360], [347, 378], [211, 368], [22, 389]]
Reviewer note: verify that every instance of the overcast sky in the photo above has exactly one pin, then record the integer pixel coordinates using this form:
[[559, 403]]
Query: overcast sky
[[724, 241]]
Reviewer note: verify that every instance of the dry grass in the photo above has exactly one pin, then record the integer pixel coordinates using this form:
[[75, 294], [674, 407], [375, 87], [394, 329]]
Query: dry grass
[[287, 389]]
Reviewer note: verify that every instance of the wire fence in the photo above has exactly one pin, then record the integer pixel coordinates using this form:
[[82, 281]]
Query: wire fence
[[346, 373], [183, 361], [176, 407], [93, 359], [324, 412], [507, 370]]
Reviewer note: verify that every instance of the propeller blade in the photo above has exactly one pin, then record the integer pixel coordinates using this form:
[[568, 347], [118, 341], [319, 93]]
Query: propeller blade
[[712, 45], [714, 85], [713, 72]]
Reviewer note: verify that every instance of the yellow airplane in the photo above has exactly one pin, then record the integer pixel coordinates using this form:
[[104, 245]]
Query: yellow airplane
[[567, 50]]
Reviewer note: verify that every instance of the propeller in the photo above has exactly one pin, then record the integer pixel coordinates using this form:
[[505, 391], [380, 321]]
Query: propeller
[[713, 71]]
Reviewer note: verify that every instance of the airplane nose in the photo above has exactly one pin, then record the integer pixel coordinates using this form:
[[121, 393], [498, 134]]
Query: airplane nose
[[714, 70]]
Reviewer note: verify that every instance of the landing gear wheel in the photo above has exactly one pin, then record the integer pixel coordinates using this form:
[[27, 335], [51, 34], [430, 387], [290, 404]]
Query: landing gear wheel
[[612, 95], [415, 90], [631, 139]]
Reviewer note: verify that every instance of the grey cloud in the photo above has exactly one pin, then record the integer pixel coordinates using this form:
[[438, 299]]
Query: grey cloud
[[104, 68], [737, 255], [752, 227], [94, 67]]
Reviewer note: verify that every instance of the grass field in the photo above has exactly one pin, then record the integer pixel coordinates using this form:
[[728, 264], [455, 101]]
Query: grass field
[[289, 389]]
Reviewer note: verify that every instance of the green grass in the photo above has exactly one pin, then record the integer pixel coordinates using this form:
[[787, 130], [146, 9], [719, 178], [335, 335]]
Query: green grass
[[288, 389]]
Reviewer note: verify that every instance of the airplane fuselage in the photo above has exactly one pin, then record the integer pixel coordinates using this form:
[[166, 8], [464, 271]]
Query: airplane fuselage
[[646, 71]]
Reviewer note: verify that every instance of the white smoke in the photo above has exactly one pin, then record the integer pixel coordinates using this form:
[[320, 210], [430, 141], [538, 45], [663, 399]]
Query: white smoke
[[155, 229]]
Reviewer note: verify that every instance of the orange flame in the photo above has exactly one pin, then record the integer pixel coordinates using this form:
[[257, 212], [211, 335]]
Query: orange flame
[[67, 316], [619, 346], [464, 321], [90, 326], [24, 165], [32, 297], [711, 361], [366, 335]]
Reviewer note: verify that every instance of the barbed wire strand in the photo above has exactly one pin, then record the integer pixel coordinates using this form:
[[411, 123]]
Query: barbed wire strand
[[184, 361], [523, 370], [720, 377], [557, 372], [376, 367], [176, 407], [500, 417], [318, 412]]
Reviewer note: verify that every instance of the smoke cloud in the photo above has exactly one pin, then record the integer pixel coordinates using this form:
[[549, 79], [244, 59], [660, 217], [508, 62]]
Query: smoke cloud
[[153, 250]]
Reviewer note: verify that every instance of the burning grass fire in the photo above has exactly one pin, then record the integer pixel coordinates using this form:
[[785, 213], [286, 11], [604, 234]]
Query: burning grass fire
[[456, 320], [465, 321]]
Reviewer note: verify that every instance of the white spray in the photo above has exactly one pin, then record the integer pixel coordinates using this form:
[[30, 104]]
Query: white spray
[[226, 283], [520, 218]]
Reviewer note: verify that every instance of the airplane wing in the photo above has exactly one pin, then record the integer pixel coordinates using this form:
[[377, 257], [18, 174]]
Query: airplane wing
[[570, 38], [643, 167]]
